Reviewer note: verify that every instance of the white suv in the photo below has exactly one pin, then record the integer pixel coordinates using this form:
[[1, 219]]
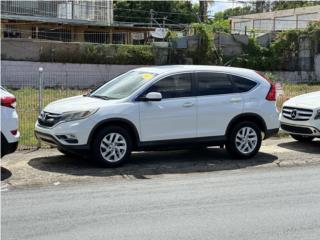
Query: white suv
[[165, 107], [9, 123], [300, 117]]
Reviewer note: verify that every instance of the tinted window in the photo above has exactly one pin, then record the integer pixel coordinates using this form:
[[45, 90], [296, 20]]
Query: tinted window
[[243, 84], [214, 83], [174, 86]]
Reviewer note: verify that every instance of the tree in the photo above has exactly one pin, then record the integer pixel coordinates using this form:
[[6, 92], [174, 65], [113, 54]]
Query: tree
[[233, 12], [282, 5], [139, 11]]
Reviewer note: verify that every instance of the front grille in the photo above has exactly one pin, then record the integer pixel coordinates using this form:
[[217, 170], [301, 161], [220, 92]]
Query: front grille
[[297, 114], [295, 129], [47, 119]]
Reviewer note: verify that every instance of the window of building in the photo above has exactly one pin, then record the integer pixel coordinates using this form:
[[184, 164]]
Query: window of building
[[96, 37], [54, 34], [11, 32], [118, 38]]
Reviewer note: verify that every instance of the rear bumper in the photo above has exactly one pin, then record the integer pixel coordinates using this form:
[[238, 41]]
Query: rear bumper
[[52, 141], [300, 129], [6, 147]]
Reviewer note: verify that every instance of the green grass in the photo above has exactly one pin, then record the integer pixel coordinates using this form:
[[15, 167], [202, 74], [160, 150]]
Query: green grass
[[27, 105], [27, 108]]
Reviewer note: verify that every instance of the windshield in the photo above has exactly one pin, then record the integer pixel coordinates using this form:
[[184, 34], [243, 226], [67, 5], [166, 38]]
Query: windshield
[[124, 85]]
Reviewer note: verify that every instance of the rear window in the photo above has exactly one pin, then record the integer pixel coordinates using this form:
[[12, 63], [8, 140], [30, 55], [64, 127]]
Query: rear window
[[243, 84], [214, 84]]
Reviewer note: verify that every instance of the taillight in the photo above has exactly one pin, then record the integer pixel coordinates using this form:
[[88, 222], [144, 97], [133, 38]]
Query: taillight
[[272, 94], [14, 132], [8, 101]]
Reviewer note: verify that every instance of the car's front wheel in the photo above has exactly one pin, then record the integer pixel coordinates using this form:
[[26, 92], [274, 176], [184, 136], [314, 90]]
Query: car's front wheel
[[302, 138], [112, 146], [244, 140]]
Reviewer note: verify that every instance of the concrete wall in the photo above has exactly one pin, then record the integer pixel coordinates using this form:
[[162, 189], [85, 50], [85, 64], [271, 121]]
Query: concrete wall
[[296, 77], [317, 66], [19, 74], [82, 76], [297, 18]]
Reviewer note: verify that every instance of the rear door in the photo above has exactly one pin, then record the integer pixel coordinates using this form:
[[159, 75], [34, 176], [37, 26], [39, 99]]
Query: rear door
[[217, 103], [174, 117]]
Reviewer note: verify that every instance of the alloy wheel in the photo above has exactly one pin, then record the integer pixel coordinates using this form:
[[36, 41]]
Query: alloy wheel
[[246, 140], [113, 147]]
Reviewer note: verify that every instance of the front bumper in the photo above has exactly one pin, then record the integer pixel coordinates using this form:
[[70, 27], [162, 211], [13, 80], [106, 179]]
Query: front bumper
[[300, 129], [54, 142]]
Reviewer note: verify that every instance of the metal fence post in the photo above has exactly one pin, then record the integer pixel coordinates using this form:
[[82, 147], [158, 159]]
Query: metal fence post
[[40, 90], [40, 96]]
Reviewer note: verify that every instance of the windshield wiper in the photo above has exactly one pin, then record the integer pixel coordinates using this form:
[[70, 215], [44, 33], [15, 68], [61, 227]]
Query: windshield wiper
[[99, 96]]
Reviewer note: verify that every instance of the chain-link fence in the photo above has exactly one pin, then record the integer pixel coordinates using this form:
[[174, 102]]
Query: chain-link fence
[[55, 85]]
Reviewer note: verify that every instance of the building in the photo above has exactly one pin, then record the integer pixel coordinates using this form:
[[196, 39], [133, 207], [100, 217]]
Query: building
[[297, 18], [68, 21]]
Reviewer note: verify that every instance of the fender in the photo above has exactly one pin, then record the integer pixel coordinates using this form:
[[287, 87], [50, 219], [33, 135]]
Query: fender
[[248, 116], [115, 120]]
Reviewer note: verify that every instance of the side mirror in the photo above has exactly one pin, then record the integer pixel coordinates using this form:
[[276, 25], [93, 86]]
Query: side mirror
[[153, 96]]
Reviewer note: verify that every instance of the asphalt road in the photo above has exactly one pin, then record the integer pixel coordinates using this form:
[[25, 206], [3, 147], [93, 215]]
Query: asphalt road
[[255, 203]]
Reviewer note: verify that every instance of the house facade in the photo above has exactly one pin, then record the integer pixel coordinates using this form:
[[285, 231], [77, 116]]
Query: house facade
[[68, 21]]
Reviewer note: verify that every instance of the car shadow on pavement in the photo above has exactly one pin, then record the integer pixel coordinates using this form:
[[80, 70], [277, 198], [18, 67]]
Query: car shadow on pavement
[[152, 163], [5, 173], [306, 147]]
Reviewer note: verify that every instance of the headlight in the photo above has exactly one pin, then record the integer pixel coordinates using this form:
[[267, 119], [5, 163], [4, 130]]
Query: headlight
[[317, 115], [72, 116]]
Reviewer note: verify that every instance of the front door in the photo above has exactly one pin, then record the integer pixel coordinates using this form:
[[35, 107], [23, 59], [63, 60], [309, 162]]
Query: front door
[[174, 117]]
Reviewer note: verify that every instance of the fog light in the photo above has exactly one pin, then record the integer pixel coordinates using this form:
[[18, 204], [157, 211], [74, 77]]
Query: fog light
[[69, 138]]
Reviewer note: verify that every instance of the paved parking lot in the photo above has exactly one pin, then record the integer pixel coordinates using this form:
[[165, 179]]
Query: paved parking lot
[[47, 167]]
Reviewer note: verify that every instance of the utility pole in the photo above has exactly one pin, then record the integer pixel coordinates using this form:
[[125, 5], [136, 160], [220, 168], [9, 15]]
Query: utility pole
[[151, 17], [164, 22], [203, 8]]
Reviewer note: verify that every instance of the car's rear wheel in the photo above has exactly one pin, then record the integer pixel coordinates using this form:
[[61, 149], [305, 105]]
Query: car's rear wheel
[[302, 138], [112, 146], [244, 140]]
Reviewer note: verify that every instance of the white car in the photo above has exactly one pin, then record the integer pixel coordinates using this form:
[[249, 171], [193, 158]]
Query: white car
[[300, 116], [164, 107], [9, 123]]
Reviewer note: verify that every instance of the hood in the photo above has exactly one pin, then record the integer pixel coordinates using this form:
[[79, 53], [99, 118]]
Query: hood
[[308, 100], [77, 103]]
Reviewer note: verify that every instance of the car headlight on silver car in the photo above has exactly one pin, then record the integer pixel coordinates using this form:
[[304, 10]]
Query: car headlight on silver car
[[317, 117], [77, 115]]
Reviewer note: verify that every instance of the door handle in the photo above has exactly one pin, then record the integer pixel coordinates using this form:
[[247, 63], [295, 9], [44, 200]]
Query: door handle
[[235, 99], [188, 104]]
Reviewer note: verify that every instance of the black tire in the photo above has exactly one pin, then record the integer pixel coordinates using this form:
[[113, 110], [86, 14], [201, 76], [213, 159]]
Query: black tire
[[231, 142], [302, 138], [96, 146]]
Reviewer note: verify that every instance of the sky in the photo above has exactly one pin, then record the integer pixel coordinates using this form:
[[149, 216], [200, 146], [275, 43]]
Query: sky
[[221, 6]]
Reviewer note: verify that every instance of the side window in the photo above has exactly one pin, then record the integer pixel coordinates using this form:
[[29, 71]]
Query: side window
[[243, 84], [175, 86], [214, 84]]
